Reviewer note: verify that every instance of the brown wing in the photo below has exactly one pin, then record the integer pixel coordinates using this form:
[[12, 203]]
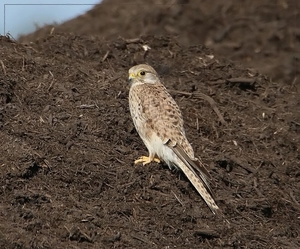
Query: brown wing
[[162, 112]]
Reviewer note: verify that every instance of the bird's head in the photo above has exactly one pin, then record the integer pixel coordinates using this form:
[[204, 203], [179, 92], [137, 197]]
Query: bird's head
[[143, 74]]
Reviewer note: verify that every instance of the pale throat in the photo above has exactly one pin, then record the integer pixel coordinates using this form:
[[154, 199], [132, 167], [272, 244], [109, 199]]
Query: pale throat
[[151, 79]]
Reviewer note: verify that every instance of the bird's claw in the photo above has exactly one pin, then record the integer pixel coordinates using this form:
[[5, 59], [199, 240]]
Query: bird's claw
[[145, 160]]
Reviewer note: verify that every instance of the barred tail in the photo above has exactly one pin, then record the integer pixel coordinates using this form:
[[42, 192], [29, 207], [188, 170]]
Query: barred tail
[[200, 186]]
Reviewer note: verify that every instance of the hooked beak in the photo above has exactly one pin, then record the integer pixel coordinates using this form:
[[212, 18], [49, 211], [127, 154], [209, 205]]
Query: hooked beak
[[131, 77]]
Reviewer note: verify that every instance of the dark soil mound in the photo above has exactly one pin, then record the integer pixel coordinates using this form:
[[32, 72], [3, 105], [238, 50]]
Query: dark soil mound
[[264, 34], [68, 146], [68, 141]]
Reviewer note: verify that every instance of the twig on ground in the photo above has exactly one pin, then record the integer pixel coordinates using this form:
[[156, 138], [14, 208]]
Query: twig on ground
[[3, 67], [241, 80], [52, 81], [177, 198], [237, 161], [294, 199], [134, 40], [208, 99], [86, 106], [105, 56]]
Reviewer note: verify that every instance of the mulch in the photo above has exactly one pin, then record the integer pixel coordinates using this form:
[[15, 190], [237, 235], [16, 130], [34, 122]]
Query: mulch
[[68, 141]]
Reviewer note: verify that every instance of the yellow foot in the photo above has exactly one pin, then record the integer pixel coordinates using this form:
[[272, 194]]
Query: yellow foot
[[145, 160]]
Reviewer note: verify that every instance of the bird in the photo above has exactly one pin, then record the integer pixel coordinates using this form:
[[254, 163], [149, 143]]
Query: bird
[[159, 123]]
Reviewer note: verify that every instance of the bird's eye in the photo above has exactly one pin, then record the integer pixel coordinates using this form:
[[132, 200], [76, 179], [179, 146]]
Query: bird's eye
[[142, 73]]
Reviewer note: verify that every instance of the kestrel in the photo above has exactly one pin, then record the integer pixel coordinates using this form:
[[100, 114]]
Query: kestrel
[[158, 120]]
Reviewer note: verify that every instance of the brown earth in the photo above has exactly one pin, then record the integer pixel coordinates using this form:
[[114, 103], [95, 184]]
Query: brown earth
[[68, 142], [260, 34]]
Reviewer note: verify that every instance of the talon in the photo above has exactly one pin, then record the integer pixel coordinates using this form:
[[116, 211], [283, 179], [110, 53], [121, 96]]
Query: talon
[[145, 160]]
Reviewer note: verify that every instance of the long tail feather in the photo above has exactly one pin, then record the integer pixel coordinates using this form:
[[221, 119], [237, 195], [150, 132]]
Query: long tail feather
[[199, 179], [200, 187]]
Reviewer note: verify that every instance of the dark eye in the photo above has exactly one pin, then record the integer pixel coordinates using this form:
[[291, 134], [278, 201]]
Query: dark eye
[[142, 72]]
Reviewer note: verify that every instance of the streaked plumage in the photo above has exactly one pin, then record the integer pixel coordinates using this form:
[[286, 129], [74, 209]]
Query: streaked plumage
[[159, 122]]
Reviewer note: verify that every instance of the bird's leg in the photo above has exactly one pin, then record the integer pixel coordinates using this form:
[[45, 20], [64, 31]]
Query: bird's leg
[[147, 159]]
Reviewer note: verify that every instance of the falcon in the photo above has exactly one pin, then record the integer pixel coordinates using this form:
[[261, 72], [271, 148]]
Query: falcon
[[158, 120]]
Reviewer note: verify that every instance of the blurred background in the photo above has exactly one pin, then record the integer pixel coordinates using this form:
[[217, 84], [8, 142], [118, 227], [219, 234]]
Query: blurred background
[[259, 34], [23, 17]]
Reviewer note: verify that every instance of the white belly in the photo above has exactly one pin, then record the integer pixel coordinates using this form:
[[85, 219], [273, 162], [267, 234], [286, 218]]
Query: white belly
[[162, 151]]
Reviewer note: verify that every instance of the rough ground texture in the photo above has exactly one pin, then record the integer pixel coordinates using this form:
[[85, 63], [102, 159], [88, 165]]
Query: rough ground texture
[[68, 144], [264, 34]]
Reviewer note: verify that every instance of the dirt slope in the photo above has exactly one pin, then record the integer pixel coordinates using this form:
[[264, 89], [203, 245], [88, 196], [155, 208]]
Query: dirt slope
[[264, 35], [68, 143], [67, 174]]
